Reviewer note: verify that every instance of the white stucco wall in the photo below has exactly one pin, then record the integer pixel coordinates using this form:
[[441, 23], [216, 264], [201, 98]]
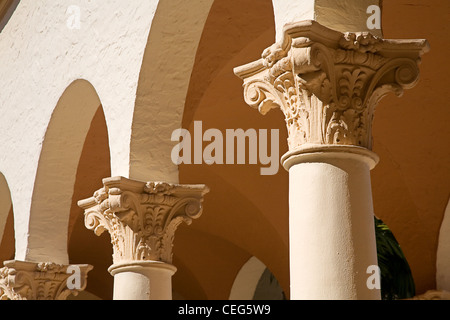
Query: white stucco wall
[[40, 56], [291, 11], [163, 86]]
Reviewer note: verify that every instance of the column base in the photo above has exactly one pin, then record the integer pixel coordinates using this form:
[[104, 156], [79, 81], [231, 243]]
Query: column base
[[142, 280]]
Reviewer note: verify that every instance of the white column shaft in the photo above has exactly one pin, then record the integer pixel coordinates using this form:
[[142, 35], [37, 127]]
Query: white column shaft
[[143, 281], [332, 234]]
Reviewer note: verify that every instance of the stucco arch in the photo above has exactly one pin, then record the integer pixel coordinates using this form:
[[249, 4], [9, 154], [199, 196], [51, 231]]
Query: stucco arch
[[247, 279], [163, 85], [254, 281], [56, 174], [40, 62]]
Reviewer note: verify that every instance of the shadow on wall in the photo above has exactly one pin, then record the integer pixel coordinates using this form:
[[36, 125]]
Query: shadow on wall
[[7, 244], [84, 247]]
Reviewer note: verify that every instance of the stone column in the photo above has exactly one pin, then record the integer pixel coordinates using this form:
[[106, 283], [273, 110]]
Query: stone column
[[327, 84], [41, 281], [142, 219]]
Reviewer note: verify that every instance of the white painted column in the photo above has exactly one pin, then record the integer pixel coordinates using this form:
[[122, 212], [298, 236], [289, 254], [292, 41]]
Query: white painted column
[[332, 232], [327, 84], [142, 219]]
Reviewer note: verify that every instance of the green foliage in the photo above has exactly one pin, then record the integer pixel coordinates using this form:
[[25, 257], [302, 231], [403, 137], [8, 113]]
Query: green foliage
[[396, 277]]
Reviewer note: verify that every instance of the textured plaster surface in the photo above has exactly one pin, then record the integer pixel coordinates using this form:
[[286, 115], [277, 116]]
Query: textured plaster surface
[[340, 15], [130, 70], [346, 15], [291, 11], [40, 58], [163, 86]]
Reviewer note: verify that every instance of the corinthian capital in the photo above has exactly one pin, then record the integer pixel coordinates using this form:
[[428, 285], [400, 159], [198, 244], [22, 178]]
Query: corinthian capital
[[41, 281], [328, 83], [142, 218]]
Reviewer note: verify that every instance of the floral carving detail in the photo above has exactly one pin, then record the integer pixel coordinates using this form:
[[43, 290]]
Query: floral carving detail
[[363, 42], [161, 188], [327, 83], [100, 195], [38, 281], [142, 224]]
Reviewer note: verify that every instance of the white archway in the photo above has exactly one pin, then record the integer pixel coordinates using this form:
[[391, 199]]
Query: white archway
[[163, 85], [254, 282], [247, 280], [56, 174], [38, 66]]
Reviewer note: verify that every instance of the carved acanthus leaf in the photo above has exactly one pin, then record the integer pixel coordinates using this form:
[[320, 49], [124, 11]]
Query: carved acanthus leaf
[[39, 281], [363, 42], [142, 223], [327, 84]]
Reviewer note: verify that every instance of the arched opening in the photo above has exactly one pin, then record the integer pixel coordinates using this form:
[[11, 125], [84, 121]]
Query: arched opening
[[255, 282], [163, 84], [56, 174], [7, 237], [84, 246], [268, 288]]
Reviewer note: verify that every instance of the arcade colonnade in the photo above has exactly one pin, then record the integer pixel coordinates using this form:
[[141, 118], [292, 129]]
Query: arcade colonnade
[[325, 72]]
